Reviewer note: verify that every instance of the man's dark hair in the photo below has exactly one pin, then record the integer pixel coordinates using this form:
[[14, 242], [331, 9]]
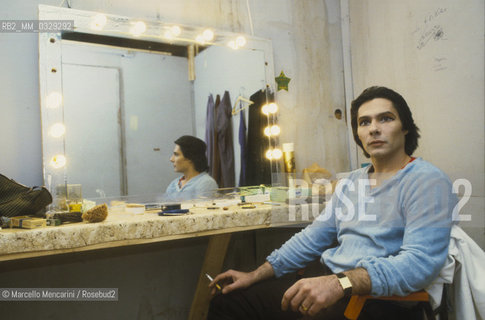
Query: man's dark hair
[[194, 149], [411, 138]]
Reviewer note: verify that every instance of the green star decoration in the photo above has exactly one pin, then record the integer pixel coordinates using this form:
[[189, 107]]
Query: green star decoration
[[282, 80]]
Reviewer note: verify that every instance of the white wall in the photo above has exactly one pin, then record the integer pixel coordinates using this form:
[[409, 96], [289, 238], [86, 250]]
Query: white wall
[[432, 52]]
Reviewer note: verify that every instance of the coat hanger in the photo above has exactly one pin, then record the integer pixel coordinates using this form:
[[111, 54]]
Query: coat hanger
[[241, 98]]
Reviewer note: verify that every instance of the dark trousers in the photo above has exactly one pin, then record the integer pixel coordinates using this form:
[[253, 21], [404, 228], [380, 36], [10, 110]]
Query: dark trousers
[[262, 301]]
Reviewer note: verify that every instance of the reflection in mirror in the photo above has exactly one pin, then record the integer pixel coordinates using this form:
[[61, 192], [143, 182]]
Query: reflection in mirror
[[113, 103]]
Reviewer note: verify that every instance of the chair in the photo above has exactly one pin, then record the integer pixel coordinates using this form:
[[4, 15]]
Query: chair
[[356, 303]]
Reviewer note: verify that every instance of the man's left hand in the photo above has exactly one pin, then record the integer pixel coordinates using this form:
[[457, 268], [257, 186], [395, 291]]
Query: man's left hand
[[310, 295]]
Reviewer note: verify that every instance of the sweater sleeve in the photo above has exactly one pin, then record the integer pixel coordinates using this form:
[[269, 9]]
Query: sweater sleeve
[[305, 246], [427, 203]]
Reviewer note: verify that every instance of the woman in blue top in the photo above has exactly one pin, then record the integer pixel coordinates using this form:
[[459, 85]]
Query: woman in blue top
[[189, 158]]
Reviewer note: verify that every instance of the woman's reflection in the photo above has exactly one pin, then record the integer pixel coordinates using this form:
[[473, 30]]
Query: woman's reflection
[[189, 158]]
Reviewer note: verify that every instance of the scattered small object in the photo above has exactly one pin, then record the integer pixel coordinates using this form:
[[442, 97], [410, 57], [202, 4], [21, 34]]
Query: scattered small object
[[51, 222], [171, 206], [212, 208], [27, 222], [248, 206], [66, 217], [225, 208], [97, 214], [175, 212]]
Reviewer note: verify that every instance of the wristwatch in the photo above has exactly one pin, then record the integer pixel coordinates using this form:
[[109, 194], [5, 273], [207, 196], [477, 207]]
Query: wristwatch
[[345, 283]]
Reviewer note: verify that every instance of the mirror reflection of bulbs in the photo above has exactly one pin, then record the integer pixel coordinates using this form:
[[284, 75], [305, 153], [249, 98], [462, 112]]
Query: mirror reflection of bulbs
[[241, 41], [57, 130], [58, 161], [98, 22], [200, 39], [208, 35], [232, 44], [269, 108], [175, 30], [275, 130], [138, 28], [269, 154], [168, 35], [277, 153], [274, 154], [272, 107], [272, 131], [54, 100]]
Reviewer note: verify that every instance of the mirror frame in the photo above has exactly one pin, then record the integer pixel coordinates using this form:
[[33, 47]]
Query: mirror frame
[[50, 70]]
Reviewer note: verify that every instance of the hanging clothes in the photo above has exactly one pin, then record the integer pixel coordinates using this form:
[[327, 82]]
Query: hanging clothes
[[243, 147], [258, 167], [209, 133], [224, 136]]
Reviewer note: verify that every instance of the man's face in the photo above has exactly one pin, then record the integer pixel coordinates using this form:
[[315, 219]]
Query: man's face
[[180, 163], [380, 129]]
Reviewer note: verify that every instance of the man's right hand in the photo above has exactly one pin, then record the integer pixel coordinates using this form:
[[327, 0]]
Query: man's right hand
[[233, 280]]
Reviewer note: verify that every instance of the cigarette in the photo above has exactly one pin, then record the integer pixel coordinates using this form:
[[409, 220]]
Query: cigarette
[[210, 279]]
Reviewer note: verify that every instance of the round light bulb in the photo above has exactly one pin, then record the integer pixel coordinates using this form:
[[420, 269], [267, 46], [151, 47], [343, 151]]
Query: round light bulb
[[208, 34], [241, 41], [267, 131], [54, 100], [275, 130], [199, 39], [57, 130], [265, 109], [175, 30], [277, 153], [98, 22], [168, 35], [58, 161], [232, 44], [138, 28], [272, 107], [269, 154]]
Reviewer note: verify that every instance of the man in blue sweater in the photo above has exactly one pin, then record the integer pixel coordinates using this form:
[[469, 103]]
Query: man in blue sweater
[[391, 222]]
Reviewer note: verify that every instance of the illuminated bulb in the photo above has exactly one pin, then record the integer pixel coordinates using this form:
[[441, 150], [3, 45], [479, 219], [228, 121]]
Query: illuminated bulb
[[275, 130], [272, 107], [168, 35], [277, 154], [265, 109], [98, 22], [208, 34], [57, 130], [240, 41], [54, 100], [175, 30], [138, 28], [58, 161], [269, 154], [200, 39], [267, 131], [232, 44]]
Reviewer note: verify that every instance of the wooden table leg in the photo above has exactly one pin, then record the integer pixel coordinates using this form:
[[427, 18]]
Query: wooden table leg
[[213, 261]]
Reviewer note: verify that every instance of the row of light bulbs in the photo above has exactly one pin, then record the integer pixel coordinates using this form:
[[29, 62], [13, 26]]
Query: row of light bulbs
[[57, 130], [272, 131], [99, 21]]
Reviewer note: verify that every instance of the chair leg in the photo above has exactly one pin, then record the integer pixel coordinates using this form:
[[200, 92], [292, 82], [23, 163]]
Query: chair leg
[[354, 307]]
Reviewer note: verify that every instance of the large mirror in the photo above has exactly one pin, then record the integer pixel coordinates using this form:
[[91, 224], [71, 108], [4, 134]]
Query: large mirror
[[114, 98]]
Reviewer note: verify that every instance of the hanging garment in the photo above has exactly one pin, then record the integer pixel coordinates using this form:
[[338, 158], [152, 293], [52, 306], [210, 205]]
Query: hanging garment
[[258, 167], [209, 133], [225, 143], [243, 147]]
